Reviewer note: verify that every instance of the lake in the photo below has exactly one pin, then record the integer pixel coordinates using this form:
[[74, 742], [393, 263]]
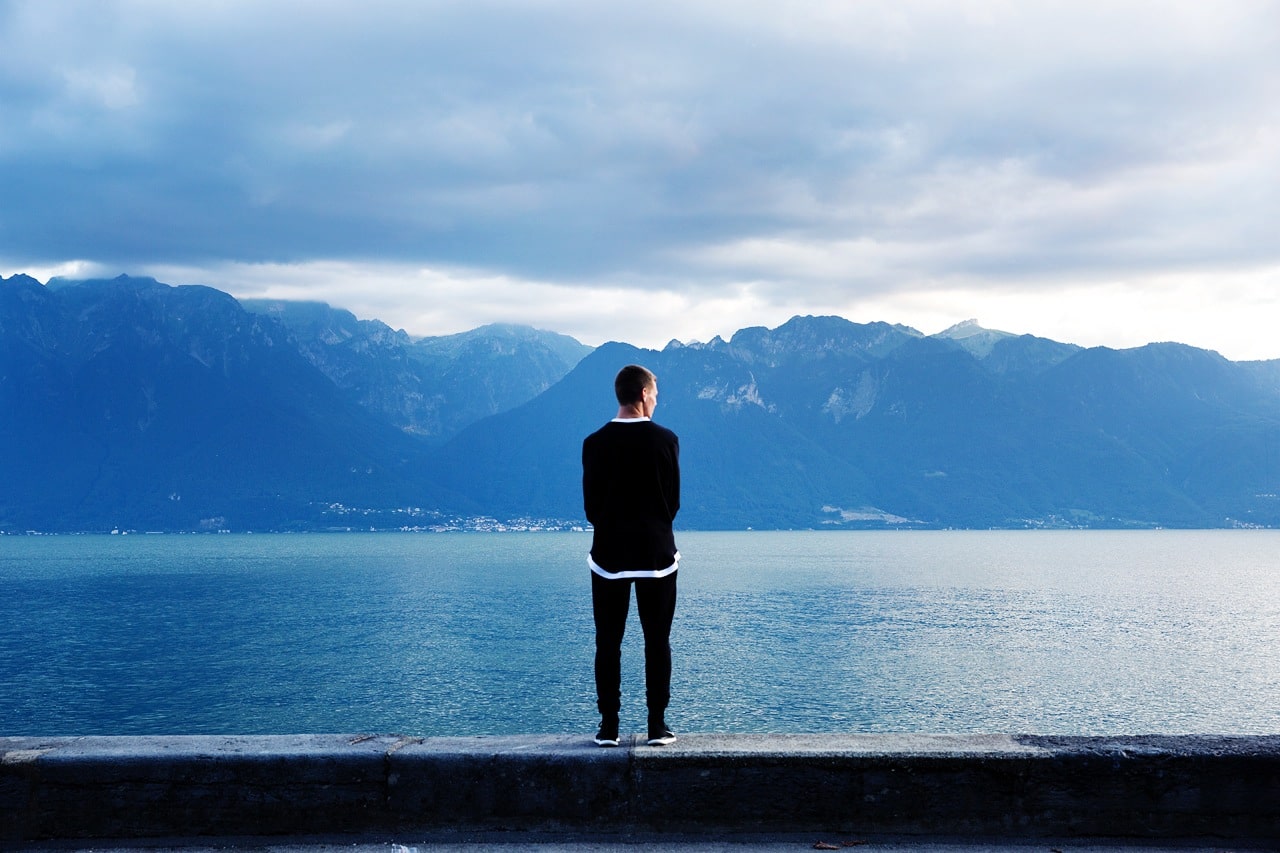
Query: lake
[[1055, 632]]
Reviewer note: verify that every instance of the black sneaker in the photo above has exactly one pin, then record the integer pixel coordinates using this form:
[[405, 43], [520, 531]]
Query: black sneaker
[[608, 734], [661, 736]]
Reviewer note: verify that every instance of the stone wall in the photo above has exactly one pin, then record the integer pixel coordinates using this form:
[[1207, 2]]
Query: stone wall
[[936, 785]]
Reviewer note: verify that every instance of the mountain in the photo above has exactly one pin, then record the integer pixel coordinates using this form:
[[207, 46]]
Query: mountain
[[129, 403], [430, 387], [822, 422], [1002, 352], [741, 464]]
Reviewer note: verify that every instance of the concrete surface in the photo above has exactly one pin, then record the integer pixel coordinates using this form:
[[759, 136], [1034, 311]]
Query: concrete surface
[[659, 843], [706, 789]]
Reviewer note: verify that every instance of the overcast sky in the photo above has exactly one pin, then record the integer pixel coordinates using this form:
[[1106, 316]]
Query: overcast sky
[[1101, 173]]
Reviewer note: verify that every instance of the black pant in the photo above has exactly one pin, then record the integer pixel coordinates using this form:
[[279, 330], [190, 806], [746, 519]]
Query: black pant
[[656, 601]]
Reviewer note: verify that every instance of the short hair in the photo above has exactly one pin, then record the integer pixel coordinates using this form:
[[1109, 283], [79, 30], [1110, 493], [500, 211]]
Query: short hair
[[630, 383]]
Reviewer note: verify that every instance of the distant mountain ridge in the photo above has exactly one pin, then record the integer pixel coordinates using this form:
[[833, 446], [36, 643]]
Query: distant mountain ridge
[[822, 422], [131, 404], [431, 387]]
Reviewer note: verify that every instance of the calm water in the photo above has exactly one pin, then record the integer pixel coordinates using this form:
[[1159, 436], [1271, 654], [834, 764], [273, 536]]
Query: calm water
[[1052, 632]]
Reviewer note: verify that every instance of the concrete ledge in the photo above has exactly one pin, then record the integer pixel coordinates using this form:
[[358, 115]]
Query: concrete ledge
[[936, 785]]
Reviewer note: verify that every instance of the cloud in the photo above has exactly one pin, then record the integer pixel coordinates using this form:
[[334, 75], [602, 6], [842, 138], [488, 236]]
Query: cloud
[[713, 160], [1115, 312]]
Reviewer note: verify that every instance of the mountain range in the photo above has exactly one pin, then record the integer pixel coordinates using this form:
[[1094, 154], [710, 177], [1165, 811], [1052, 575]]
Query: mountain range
[[130, 404]]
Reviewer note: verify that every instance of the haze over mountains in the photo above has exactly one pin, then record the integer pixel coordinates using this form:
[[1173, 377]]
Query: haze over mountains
[[129, 404]]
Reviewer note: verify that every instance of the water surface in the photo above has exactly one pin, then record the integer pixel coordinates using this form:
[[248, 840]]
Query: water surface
[[1062, 632]]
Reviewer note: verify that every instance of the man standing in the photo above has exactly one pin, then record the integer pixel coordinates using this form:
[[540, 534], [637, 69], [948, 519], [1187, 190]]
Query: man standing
[[631, 492]]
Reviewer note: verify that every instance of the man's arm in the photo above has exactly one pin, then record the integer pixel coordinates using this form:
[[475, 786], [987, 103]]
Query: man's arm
[[590, 482], [672, 486]]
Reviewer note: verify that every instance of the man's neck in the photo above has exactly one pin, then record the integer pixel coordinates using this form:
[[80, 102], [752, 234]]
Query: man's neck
[[630, 413]]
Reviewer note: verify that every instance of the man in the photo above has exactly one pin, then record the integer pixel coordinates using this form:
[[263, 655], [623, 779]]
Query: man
[[631, 491]]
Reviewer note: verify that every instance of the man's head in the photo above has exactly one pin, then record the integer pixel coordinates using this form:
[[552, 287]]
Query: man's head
[[636, 386]]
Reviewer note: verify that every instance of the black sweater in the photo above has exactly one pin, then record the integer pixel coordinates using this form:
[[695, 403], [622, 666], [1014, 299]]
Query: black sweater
[[631, 493]]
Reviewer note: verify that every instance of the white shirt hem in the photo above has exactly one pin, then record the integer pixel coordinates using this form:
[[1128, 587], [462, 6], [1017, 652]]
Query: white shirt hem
[[627, 575]]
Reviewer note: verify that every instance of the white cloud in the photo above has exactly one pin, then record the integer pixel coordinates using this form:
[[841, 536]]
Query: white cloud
[[109, 88], [74, 270], [674, 169], [1228, 311], [1233, 312]]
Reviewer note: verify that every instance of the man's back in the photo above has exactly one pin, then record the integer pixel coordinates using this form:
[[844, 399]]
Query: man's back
[[631, 493]]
